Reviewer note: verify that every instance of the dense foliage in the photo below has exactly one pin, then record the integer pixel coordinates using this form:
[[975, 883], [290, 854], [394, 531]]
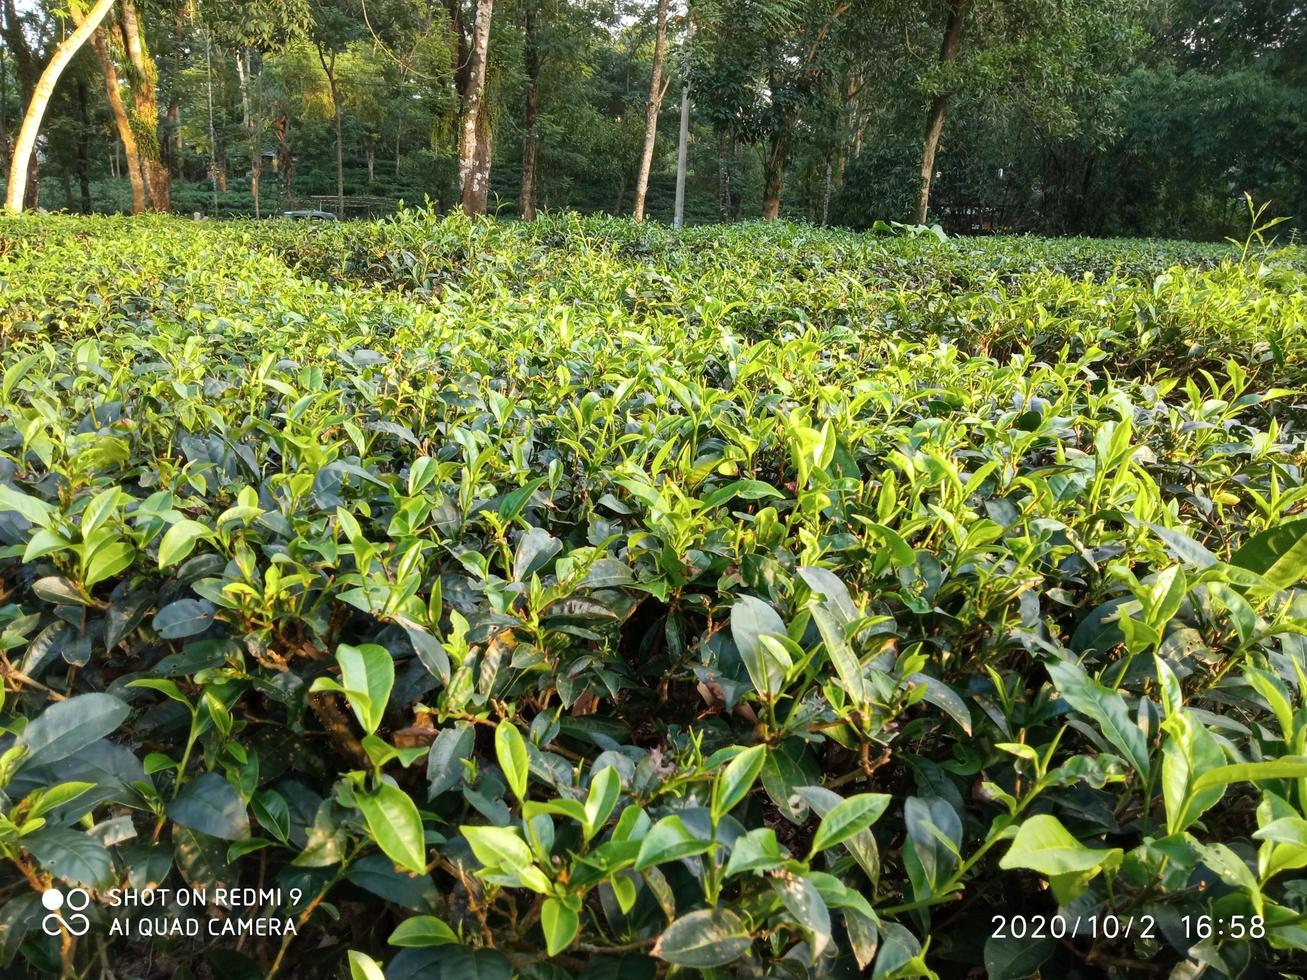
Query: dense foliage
[[577, 598], [1098, 117]]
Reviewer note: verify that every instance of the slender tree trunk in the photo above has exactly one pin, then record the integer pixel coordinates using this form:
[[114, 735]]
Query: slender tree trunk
[[174, 157], [723, 178], [83, 146], [122, 122], [329, 66], [656, 90], [397, 153], [371, 151], [825, 191], [526, 204], [144, 84], [4, 97], [474, 142], [683, 137], [949, 50], [213, 136]]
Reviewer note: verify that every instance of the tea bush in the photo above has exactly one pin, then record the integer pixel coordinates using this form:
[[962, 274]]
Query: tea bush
[[582, 598]]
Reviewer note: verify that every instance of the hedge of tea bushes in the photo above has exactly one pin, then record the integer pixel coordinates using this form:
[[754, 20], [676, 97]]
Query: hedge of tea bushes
[[584, 598]]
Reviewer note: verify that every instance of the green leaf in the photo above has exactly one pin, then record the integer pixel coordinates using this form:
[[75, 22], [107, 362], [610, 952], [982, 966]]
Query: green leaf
[[1278, 555], [752, 619], [605, 789], [497, 847], [367, 674], [58, 590], [1190, 750], [1104, 706], [445, 760], [668, 840], [423, 930], [394, 823], [36, 511], [758, 850], [108, 560], [704, 939], [510, 749], [212, 806], [1286, 767], [736, 779], [560, 925], [183, 618], [850, 817], [179, 541], [842, 658], [71, 856], [67, 727], [1042, 844], [364, 967], [1007, 958], [534, 550]]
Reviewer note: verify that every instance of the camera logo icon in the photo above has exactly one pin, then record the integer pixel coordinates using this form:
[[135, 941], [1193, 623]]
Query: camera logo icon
[[75, 902]]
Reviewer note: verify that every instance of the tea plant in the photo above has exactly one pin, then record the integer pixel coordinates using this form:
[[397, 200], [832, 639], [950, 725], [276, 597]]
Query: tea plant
[[580, 598]]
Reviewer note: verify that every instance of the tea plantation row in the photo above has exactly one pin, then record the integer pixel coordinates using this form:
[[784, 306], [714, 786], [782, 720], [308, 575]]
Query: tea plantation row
[[584, 599]]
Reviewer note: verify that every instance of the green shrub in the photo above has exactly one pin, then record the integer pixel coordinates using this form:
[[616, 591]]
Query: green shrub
[[579, 598]]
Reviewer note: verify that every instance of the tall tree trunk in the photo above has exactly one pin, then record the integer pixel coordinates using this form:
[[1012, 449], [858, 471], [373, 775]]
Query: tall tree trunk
[[656, 90], [683, 137], [329, 66], [825, 191], [526, 202], [122, 122], [172, 149], [27, 69], [143, 80], [949, 50], [723, 178], [773, 177], [4, 97], [371, 151], [474, 142], [252, 124], [83, 146]]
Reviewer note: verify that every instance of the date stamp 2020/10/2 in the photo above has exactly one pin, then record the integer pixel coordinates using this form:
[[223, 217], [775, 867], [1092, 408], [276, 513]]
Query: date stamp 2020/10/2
[[1111, 926]]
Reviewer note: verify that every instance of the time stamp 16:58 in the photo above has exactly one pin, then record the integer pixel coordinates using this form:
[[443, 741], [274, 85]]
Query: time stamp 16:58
[[1194, 927]]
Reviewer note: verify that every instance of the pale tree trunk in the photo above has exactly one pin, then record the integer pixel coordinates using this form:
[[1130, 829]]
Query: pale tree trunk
[[372, 158], [683, 138], [251, 123], [949, 50], [474, 149], [174, 115], [144, 84], [656, 90], [526, 203], [100, 45], [27, 71], [25, 147], [329, 66]]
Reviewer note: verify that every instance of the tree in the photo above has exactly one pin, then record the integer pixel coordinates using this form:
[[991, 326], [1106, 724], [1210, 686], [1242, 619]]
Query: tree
[[1046, 54], [657, 88], [526, 202], [27, 69], [950, 48], [25, 145], [475, 143], [764, 67]]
